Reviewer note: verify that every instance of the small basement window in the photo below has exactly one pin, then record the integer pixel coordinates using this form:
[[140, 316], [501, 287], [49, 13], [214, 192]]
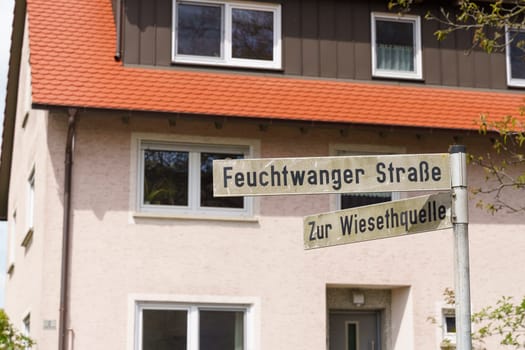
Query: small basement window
[[449, 325]]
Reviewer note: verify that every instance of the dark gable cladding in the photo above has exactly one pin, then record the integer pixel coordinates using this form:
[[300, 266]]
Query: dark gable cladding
[[327, 39]]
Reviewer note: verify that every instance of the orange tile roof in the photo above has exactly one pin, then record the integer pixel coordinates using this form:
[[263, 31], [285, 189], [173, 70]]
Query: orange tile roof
[[72, 47]]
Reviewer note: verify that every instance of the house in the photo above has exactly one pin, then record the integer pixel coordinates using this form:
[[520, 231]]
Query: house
[[115, 111]]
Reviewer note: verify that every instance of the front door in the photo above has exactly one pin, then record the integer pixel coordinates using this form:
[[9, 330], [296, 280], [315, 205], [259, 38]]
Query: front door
[[354, 330]]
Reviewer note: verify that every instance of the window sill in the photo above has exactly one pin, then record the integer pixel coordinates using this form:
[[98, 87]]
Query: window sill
[[516, 84], [235, 64], [176, 216], [28, 238], [447, 345], [416, 77]]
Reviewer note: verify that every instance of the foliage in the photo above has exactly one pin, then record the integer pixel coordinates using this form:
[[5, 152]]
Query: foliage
[[10, 338], [505, 167], [489, 21], [506, 320]]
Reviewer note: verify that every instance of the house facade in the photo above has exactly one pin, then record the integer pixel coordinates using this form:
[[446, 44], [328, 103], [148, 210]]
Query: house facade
[[114, 114]]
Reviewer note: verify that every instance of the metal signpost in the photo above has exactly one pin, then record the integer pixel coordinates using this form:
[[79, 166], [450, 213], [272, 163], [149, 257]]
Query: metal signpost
[[458, 168], [347, 174]]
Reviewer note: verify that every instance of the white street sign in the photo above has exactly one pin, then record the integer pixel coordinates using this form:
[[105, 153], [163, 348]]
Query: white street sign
[[279, 176], [390, 219]]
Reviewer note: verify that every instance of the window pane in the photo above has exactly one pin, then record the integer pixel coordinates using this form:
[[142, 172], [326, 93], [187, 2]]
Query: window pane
[[394, 45], [27, 325], [165, 177], [199, 30], [351, 331], [207, 198], [517, 55], [221, 330], [31, 201], [252, 34], [450, 324], [359, 199], [164, 329]]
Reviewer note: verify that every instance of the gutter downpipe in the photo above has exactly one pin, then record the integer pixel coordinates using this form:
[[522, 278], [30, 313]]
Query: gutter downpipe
[[66, 245], [118, 25]]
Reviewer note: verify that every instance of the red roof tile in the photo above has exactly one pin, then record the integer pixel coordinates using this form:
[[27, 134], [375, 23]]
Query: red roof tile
[[72, 46]]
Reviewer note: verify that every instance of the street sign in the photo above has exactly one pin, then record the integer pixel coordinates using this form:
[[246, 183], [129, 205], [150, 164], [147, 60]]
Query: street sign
[[279, 176], [391, 219], [282, 176]]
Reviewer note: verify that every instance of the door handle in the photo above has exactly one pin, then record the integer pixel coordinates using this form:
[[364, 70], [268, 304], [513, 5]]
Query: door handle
[[373, 343]]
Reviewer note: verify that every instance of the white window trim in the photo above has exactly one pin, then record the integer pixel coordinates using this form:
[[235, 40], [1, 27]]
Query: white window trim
[[31, 200], [26, 325], [418, 60], [250, 147], [226, 58], [12, 243], [192, 303], [371, 150], [517, 82]]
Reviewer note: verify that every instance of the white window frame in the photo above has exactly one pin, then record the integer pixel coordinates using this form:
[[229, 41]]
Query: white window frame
[[517, 82], [193, 207], [226, 58], [31, 200], [12, 244], [193, 310], [26, 326], [418, 61]]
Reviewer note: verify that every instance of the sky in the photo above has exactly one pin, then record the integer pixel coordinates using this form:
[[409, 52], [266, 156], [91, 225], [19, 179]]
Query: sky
[[6, 14]]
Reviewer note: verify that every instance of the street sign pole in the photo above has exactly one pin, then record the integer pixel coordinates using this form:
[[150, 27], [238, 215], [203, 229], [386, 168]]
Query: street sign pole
[[458, 170]]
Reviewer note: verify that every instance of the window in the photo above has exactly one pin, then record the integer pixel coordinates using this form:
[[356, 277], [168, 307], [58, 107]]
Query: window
[[30, 210], [26, 327], [191, 327], [353, 200], [179, 178], [227, 33], [31, 200], [352, 335], [12, 244], [515, 58], [396, 46], [449, 325]]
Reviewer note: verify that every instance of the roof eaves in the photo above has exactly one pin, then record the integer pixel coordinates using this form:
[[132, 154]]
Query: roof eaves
[[17, 38]]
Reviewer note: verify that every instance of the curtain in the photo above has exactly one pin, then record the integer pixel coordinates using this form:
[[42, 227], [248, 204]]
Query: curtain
[[395, 57]]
